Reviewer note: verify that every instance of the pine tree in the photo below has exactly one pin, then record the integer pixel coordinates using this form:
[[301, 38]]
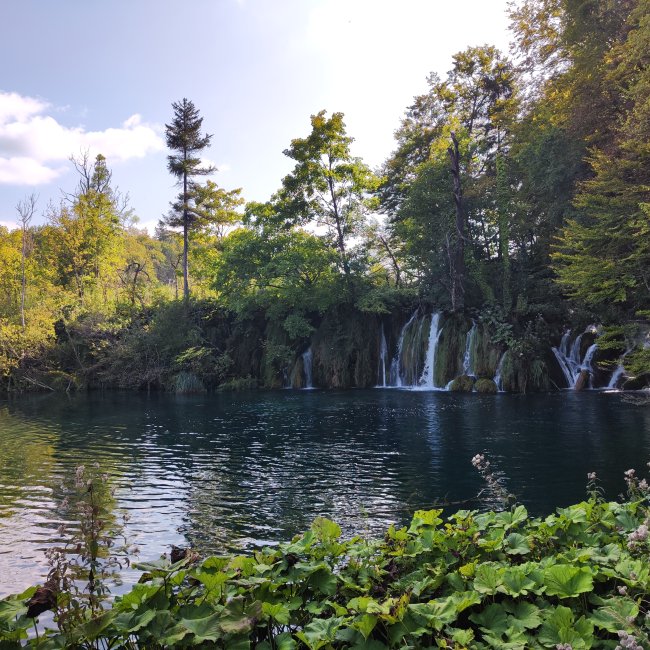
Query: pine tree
[[184, 137]]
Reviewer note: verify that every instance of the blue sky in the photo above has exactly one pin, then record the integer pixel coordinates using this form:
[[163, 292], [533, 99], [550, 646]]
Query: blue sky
[[85, 74]]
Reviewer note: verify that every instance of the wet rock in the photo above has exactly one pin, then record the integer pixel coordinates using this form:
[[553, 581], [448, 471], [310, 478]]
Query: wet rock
[[462, 384], [44, 599], [487, 386], [583, 380]]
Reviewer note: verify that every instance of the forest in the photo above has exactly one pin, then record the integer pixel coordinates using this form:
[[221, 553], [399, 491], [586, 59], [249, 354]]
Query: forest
[[516, 200]]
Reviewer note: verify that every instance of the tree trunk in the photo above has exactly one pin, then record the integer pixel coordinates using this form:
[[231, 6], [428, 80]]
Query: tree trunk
[[23, 279], [504, 231], [186, 284], [457, 270], [339, 229]]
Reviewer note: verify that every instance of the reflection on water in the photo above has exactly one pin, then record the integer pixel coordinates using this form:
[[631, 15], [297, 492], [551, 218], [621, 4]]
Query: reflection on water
[[227, 471]]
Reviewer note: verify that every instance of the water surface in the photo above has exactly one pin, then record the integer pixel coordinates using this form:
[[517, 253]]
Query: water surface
[[235, 470]]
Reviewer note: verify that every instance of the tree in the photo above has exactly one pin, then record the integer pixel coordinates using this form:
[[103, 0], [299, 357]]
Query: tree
[[83, 240], [328, 187], [25, 209], [452, 137], [216, 208], [185, 138], [286, 272], [602, 257]]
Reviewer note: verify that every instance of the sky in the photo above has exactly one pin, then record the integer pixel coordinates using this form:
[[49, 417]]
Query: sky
[[85, 75]]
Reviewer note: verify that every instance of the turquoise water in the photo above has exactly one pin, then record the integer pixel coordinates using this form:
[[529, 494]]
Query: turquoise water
[[236, 470]]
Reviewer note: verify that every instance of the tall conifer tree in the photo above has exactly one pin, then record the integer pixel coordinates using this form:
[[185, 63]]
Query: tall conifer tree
[[184, 137]]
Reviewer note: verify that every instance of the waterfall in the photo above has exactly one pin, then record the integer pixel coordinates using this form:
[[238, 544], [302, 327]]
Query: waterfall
[[589, 355], [405, 366], [616, 375], [383, 355], [396, 363], [568, 357], [498, 380], [307, 358], [586, 363], [619, 372], [427, 380], [468, 360]]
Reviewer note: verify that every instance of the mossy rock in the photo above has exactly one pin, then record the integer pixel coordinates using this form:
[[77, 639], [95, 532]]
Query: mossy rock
[[462, 384], [238, 383], [345, 350], [486, 354], [62, 381], [487, 386], [521, 375], [297, 375], [187, 382], [451, 348]]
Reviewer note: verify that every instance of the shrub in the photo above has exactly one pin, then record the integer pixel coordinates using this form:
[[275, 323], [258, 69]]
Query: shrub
[[577, 578]]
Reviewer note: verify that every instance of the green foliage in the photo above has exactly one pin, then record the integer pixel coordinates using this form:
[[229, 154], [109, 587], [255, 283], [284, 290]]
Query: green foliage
[[328, 187], [554, 224], [484, 385], [479, 580], [238, 383], [277, 270], [462, 384]]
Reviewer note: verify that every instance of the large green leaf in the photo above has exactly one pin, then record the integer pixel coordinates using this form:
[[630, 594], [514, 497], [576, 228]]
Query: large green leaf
[[561, 628], [613, 615], [511, 519], [487, 578], [492, 619], [517, 544], [238, 618], [527, 614], [325, 529], [425, 519], [566, 581], [365, 624], [319, 633], [515, 581]]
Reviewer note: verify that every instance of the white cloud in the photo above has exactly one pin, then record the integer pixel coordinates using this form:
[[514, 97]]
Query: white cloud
[[21, 170], [149, 225], [17, 107], [33, 144], [10, 225], [219, 168]]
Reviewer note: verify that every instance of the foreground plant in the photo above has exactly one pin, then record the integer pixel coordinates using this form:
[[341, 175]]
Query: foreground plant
[[476, 580]]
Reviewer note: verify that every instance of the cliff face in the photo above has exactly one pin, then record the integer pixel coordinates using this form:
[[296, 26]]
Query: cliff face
[[201, 348]]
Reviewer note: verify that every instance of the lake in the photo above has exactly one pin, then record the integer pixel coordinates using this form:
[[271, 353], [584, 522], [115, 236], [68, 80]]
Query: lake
[[236, 470]]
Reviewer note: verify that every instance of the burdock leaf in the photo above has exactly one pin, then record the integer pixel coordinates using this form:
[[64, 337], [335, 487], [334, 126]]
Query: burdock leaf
[[487, 579], [566, 581], [517, 544]]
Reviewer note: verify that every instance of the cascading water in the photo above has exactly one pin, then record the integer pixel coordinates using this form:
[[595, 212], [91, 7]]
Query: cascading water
[[568, 357], [616, 377], [498, 380], [427, 380], [619, 372], [396, 363], [586, 363], [412, 355], [383, 355], [468, 360], [307, 358], [589, 356]]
